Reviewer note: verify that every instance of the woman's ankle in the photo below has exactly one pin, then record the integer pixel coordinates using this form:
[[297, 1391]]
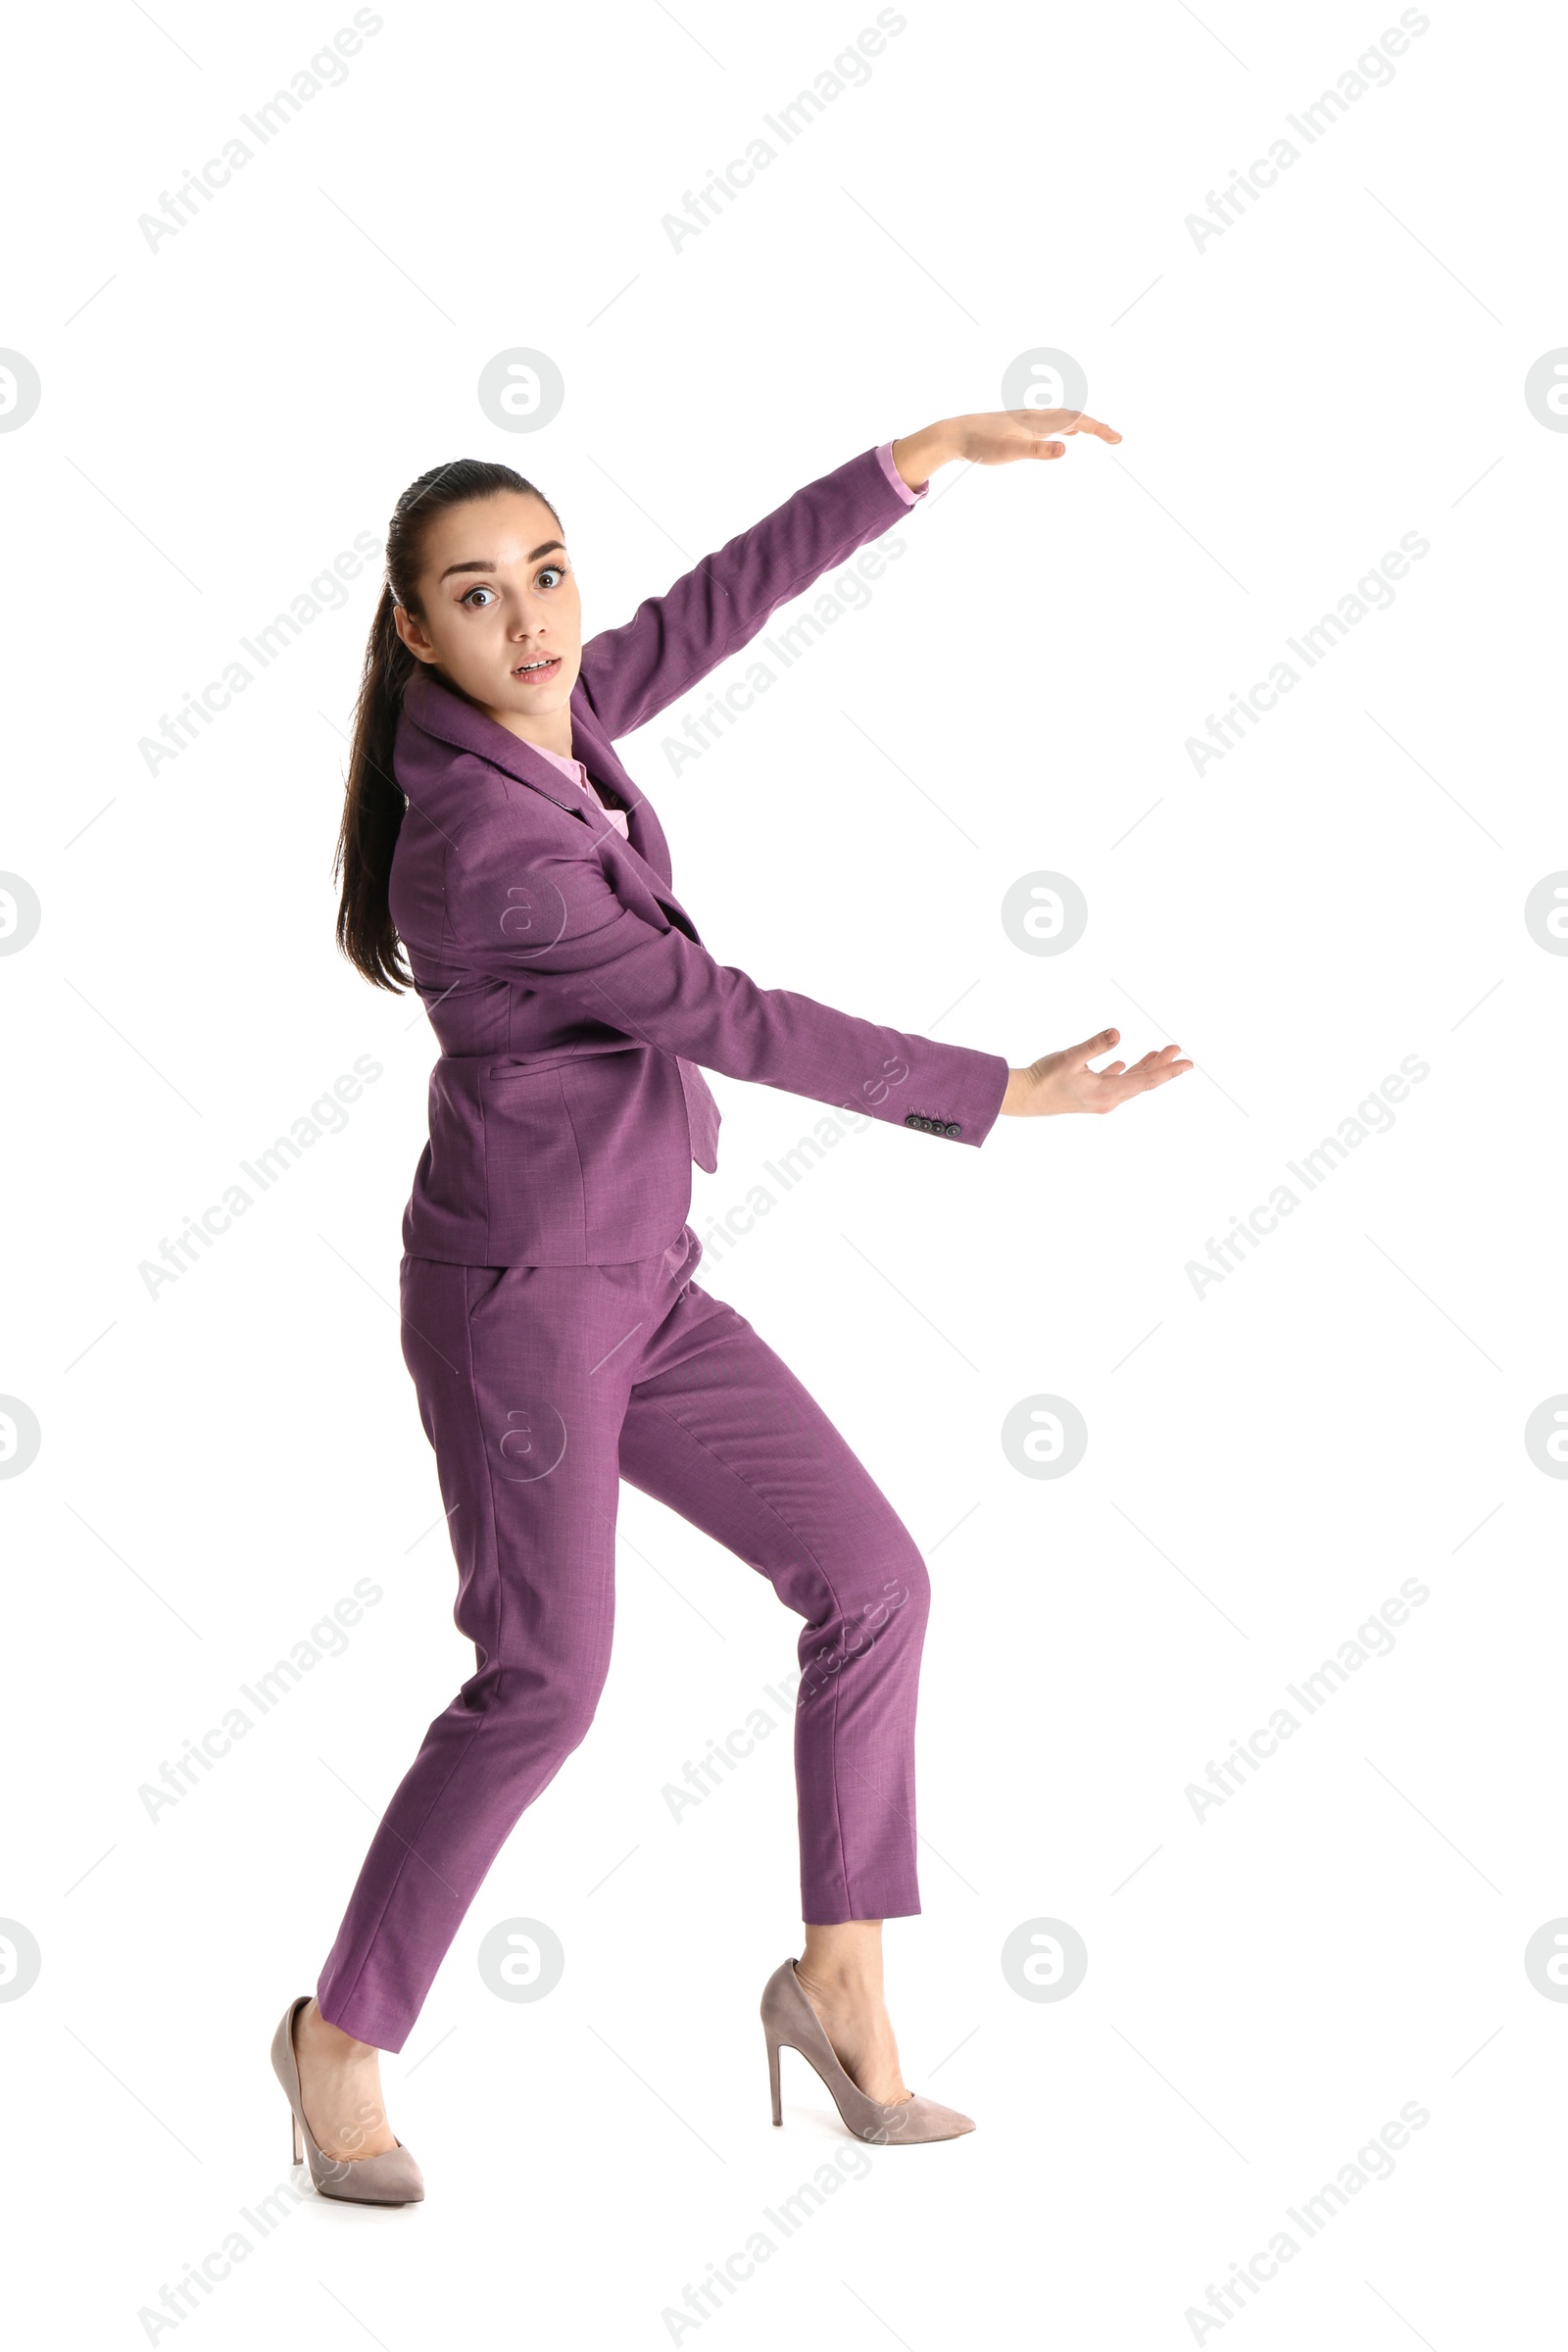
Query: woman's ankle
[[329, 2040], [844, 1988], [844, 1962]]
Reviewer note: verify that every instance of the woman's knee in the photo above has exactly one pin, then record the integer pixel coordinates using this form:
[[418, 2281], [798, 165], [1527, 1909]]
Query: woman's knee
[[537, 1709], [568, 1715], [897, 1606], [879, 1614]]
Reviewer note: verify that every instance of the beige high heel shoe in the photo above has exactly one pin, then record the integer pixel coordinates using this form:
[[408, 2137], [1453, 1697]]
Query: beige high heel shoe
[[390, 2179], [791, 2022]]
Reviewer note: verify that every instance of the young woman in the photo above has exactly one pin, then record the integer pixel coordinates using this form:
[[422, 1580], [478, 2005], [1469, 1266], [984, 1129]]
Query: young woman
[[555, 1337]]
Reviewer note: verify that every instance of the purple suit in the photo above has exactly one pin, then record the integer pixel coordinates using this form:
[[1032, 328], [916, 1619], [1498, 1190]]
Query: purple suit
[[555, 1337], [567, 985]]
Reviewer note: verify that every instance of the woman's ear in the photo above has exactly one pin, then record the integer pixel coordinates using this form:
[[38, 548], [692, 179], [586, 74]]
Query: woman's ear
[[412, 632]]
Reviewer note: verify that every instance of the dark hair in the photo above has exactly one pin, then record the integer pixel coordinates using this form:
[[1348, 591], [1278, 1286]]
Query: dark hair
[[373, 801]]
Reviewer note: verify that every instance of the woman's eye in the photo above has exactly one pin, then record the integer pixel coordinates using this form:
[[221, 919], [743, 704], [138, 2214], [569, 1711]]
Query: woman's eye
[[554, 571], [472, 593]]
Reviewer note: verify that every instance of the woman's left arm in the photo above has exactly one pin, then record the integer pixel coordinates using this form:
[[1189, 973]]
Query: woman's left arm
[[672, 641]]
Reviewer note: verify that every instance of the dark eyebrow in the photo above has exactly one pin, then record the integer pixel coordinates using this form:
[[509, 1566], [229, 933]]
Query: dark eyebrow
[[548, 547]]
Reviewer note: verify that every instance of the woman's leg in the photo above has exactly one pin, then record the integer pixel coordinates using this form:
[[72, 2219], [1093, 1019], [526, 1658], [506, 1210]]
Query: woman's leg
[[718, 1428], [507, 1362]]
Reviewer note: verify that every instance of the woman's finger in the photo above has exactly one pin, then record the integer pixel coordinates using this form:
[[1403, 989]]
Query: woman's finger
[[1091, 424]]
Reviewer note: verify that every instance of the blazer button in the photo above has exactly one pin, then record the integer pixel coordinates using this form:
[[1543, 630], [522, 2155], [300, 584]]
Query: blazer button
[[952, 1127], [912, 1118]]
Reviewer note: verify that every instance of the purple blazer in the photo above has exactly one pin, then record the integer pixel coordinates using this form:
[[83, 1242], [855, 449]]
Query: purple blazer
[[566, 984]]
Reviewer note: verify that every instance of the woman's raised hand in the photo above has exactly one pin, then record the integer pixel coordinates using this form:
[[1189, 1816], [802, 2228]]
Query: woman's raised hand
[[995, 438], [999, 437], [1065, 1080]]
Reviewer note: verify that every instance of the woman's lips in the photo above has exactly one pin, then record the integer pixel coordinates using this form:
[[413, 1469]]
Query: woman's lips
[[540, 676]]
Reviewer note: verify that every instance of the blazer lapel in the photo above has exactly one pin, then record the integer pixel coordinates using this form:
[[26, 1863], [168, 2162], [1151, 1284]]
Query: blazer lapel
[[436, 711], [596, 753]]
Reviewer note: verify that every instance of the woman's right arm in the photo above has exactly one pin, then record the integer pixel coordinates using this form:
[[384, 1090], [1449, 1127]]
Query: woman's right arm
[[549, 920]]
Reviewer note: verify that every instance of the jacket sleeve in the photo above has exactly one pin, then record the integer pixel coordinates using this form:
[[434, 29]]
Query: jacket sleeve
[[672, 641], [550, 922]]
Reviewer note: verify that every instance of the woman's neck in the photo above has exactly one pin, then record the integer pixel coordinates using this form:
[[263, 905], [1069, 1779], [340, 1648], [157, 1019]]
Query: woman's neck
[[550, 730]]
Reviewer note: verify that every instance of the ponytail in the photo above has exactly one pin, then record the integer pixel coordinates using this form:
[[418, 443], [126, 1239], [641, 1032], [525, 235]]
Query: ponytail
[[373, 810]]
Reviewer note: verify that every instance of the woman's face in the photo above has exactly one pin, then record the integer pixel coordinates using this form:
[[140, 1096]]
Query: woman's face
[[497, 600]]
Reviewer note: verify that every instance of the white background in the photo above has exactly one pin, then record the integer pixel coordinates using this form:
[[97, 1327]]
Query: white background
[[1266, 1463]]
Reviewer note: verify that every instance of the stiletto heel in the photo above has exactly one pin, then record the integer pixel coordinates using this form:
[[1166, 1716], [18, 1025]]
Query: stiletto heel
[[772, 2075], [297, 2152], [390, 2179], [790, 2022]]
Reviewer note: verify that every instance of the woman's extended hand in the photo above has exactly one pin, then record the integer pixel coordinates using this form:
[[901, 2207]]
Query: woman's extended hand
[[996, 438], [1065, 1080]]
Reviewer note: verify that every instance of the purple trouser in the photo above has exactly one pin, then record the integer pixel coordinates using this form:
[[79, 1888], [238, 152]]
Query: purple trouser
[[540, 1388]]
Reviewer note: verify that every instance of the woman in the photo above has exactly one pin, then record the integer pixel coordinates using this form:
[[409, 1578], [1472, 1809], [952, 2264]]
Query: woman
[[555, 1337]]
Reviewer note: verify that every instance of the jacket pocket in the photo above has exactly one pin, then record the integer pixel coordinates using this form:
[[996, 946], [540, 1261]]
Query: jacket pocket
[[628, 1112], [533, 1178]]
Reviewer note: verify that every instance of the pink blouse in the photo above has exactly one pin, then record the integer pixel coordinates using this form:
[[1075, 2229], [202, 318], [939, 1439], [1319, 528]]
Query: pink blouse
[[574, 768]]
